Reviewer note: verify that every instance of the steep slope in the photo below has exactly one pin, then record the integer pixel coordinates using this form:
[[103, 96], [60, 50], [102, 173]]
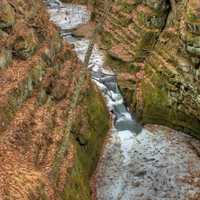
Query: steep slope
[[38, 74], [155, 52]]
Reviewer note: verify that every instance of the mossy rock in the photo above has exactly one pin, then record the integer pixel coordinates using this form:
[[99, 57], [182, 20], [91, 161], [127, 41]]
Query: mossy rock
[[3, 34], [17, 96], [5, 58], [158, 5], [157, 109], [194, 50], [25, 47], [193, 44], [192, 13], [97, 117], [152, 21], [56, 42], [26, 42], [7, 14], [54, 46]]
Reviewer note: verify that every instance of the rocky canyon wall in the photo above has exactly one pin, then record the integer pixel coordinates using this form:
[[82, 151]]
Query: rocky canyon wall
[[155, 50], [38, 75]]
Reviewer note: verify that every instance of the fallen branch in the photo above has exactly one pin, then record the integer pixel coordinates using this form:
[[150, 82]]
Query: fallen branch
[[173, 6], [83, 74]]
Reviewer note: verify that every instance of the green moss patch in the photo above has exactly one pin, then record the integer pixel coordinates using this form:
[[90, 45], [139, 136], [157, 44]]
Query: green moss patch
[[88, 151]]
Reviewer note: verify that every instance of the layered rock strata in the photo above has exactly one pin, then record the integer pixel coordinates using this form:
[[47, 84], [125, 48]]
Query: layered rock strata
[[154, 49]]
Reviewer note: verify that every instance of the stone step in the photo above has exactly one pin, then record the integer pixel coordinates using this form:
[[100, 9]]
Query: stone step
[[121, 36], [114, 16], [131, 35], [161, 62], [110, 15], [169, 55], [117, 40]]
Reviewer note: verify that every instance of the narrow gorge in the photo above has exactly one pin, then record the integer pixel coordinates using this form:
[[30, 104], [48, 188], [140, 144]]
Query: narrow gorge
[[125, 127]]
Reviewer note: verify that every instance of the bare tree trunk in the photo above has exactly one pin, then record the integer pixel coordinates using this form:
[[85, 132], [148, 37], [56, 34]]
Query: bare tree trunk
[[173, 6], [80, 83]]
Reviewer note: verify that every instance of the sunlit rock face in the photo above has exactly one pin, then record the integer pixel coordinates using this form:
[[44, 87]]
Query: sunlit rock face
[[136, 163], [134, 25], [157, 57]]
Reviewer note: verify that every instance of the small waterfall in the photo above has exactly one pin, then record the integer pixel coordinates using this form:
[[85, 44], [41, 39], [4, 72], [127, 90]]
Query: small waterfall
[[136, 163]]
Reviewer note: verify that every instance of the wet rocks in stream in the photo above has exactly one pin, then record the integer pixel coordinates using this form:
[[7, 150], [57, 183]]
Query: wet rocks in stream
[[136, 163]]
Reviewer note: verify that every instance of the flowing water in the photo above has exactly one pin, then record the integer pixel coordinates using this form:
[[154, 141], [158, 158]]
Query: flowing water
[[136, 163]]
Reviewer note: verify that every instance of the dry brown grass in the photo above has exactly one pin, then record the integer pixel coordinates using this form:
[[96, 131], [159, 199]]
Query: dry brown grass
[[29, 145]]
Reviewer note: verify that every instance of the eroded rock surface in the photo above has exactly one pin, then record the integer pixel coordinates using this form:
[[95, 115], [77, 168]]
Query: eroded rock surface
[[162, 47], [137, 163]]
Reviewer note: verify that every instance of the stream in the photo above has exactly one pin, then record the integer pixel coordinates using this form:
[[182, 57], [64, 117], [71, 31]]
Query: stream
[[153, 163]]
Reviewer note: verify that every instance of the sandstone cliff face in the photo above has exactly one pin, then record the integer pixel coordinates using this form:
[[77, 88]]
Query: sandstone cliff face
[[38, 74], [171, 85], [156, 54]]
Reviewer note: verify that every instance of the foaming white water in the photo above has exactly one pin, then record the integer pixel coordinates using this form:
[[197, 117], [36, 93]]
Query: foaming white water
[[136, 164]]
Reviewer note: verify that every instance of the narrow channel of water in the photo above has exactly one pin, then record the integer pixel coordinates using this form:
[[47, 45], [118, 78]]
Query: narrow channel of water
[[136, 164]]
